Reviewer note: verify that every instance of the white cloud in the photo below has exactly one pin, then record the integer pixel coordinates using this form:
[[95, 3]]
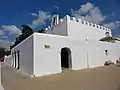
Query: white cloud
[[56, 7], [86, 7], [6, 44], [12, 29], [2, 33], [112, 25], [41, 18], [89, 12], [34, 14]]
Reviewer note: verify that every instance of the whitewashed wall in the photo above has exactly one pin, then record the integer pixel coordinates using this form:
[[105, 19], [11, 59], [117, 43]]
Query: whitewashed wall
[[26, 55], [114, 51], [48, 61], [72, 27], [84, 54], [37, 60], [97, 55], [78, 30]]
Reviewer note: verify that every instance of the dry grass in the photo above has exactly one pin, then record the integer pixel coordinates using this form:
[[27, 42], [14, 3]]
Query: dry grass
[[101, 78]]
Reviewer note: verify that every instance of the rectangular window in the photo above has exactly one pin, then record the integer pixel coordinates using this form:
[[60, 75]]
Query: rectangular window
[[15, 59], [106, 52], [18, 54]]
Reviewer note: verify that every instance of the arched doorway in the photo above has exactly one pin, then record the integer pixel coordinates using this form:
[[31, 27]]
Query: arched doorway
[[66, 61]]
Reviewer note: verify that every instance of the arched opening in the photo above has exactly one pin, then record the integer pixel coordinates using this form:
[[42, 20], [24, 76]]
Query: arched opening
[[66, 61], [107, 34]]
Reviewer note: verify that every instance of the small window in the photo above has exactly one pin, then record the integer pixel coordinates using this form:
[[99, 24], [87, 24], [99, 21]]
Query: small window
[[106, 52], [93, 25]]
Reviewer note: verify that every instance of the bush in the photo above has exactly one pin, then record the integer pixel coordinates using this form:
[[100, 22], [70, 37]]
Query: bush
[[117, 61]]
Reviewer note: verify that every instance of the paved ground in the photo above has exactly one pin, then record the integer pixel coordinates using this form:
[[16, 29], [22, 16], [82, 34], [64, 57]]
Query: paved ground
[[102, 78]]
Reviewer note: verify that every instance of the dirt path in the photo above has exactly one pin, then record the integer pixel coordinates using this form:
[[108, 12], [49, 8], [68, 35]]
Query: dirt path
[[10, 75], [102, 78]]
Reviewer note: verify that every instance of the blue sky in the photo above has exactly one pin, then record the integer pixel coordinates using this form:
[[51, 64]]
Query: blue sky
[[36, 12]]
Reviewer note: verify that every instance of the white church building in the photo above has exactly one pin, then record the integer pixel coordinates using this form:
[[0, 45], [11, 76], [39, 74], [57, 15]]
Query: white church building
[[68, 43]]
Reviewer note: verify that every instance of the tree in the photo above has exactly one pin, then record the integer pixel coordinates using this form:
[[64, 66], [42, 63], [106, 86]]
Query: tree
[[26, 28], [2, 52], [26, 32], [41, 31]]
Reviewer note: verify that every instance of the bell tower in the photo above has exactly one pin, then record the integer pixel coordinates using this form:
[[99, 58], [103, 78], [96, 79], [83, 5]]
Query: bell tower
[[55, 20]]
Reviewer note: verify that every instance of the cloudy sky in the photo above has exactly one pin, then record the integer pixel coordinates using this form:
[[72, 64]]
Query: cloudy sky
[[37, 14]]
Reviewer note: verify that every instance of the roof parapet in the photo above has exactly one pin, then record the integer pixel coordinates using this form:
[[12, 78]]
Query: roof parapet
[[73, 18], [78, 20], [86, 23], [67, 17]]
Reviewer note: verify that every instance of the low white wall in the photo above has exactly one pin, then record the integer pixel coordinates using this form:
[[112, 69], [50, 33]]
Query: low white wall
[[97, 55], [7, 59], [114, 51]]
